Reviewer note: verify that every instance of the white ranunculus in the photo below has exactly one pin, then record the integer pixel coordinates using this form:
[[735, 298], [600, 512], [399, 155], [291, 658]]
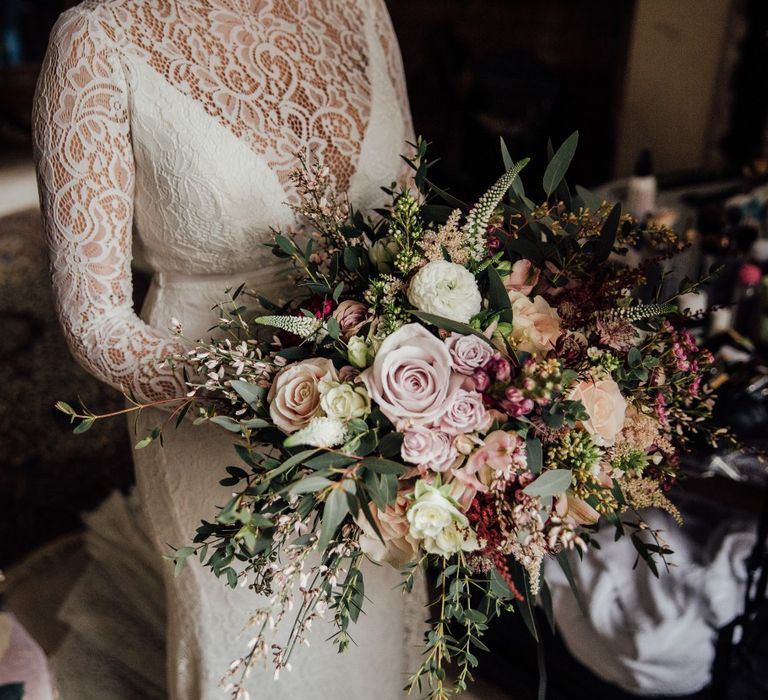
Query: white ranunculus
[[436, 521], [344, 401], [445, 289]]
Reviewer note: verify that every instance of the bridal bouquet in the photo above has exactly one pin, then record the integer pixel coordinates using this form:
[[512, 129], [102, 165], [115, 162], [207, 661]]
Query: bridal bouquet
[[469, 389]]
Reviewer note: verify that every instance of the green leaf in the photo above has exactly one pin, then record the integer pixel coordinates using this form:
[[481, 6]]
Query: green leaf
[[559, 164], [286, 245], [550, 483], [534, 452], [84, 426], [291, 462], [310, 484], [384, 466], [336, 508], [332, 325], [449, 198], [498, 297], [329, 459], [545, 600], [390, 444], [608, 234], [64, 407], [448, 325], [517, 183], [634, 357], [226, 422], [589, 198], [250, 393]]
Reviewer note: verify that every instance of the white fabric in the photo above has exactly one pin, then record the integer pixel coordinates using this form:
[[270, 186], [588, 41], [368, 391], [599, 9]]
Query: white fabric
[[183, 120], [648, 635]]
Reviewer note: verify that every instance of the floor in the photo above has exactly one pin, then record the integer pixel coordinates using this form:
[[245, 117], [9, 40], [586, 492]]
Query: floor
[[18, 187]]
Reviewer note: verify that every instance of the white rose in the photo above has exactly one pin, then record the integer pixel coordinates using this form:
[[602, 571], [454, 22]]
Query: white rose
[[445, 289], [435, 519], [451, 540], [344, 401], [536, 325]]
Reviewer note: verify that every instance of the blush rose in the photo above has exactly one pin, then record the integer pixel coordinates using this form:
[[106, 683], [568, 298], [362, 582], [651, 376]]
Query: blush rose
[[294, 397]]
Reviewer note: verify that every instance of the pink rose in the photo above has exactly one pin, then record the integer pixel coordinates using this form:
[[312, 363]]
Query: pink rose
[[398, 547], [294, 397], [411, 378], [468, 352], [466, 413], [428, 448], [523, 278], [351, 316], [605, 406], [536, 323]]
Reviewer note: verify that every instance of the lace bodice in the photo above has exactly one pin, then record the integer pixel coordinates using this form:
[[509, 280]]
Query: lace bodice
[[182, 119]]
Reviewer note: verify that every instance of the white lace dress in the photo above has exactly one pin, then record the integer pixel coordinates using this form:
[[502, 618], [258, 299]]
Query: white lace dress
[[182, 120]]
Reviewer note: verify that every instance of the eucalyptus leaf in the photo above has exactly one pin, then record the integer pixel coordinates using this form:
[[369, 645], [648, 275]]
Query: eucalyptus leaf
[[588, 198], [559, 163], [336, 508], [447, 325], [250, 393], [550, 483], [534, 452], [310, 484], [384, 466], [226, 422]]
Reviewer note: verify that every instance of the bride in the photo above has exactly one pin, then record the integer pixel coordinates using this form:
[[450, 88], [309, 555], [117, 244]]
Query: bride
[[182, 120]]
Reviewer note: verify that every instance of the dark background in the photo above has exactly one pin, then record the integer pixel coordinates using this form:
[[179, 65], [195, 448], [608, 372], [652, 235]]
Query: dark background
[[477, 70]]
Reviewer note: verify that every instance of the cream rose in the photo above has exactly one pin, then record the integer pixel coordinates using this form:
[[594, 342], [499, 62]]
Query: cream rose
[[344, 401], [536, 325], [411, 379], [437, 522], [605, 406], [445, 289], [294, 397]]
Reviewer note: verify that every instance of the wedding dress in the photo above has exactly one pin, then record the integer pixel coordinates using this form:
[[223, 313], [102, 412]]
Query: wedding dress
[[182, 120]]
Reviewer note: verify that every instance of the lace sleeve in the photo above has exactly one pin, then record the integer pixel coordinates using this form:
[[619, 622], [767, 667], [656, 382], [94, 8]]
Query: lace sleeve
[[86, 179]]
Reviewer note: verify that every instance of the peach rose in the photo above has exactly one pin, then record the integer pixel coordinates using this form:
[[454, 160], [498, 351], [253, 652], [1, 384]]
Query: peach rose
[[398, 547], [605, 406], [294, 397], [523, 277], [536, 323]]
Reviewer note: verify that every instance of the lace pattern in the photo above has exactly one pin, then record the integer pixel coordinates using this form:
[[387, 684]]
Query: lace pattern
[[284, 77], [86, 179]]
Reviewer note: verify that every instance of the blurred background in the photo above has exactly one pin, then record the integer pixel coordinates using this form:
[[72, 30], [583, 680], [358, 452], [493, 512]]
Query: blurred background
[[670, 99]]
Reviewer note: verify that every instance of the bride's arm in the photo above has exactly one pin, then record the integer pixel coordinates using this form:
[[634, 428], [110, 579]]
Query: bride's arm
[[86, 180]]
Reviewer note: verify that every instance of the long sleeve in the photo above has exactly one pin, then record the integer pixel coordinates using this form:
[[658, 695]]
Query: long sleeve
[[86, 180]]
